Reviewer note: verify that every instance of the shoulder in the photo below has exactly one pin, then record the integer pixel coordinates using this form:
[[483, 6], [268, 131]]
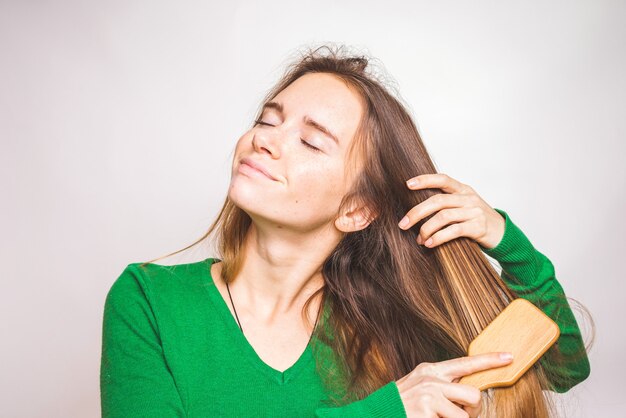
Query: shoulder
[[154, 282]]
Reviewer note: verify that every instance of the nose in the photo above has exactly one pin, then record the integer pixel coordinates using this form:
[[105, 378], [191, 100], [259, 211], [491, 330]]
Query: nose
[[267, 140]]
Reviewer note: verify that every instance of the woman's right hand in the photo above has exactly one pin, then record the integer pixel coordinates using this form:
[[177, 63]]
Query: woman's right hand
[[430, 390]]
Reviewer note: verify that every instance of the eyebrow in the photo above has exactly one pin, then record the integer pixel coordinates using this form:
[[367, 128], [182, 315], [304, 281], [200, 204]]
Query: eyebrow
[[307, 120]]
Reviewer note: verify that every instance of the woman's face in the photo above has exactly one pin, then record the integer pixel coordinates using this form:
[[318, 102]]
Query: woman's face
[[308, 184]]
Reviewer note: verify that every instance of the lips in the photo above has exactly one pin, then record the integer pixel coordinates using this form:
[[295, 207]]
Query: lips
[[257, 166]]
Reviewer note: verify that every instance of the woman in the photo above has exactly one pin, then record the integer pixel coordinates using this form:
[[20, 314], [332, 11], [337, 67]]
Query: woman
[[321, 303]]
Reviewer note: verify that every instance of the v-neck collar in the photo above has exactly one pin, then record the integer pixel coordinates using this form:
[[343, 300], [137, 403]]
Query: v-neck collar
[[241, 341]]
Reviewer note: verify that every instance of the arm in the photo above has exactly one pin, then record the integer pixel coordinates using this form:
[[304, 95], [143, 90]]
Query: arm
[[134, 377], [384, 402], [531, 275]]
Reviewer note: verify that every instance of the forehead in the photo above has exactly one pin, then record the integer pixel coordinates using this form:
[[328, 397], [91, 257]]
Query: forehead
[[326, 99]]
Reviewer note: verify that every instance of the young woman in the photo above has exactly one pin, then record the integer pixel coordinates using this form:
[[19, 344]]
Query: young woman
[[341, 289]]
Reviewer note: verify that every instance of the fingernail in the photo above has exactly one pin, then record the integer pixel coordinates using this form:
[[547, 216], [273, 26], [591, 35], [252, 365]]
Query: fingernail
[[428, 242], [412, 182], [506, 356], [404, 222]]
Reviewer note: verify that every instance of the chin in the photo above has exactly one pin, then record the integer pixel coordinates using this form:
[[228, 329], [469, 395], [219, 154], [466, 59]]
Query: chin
[[248, 197]]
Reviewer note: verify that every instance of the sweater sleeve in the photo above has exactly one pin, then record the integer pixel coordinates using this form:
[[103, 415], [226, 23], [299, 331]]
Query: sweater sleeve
[[135, 380], [531, 275], [384, 402]]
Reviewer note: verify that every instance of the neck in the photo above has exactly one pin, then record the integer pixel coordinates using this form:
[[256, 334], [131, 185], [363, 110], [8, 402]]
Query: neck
[[280, 272]]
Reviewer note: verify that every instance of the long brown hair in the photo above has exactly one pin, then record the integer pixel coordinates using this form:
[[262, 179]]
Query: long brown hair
[[392, 303]]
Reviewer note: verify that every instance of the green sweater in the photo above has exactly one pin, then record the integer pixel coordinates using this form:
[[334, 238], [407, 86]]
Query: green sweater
[[171, 347]]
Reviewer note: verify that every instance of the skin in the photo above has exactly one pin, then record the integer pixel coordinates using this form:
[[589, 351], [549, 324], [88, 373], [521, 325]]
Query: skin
[[469, 215], [427, 391], [294, 216], [294, 219]]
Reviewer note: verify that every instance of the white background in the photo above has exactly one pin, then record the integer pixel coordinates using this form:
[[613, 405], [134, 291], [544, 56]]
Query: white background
[[118, 120]]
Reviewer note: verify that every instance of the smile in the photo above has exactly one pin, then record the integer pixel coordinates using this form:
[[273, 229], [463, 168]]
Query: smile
[[250, 171]]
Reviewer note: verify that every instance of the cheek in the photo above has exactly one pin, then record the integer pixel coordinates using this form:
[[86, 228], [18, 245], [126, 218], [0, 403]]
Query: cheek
[[318, 185], [243, 143], [243, 148]]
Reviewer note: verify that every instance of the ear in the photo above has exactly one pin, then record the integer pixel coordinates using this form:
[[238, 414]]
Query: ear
[[354, 219]]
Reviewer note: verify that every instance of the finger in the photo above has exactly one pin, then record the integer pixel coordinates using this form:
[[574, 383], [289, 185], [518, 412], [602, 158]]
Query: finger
[[432, 205], [437, 180], [445, 217], [474, 411], [464, 395], [447, 409], [463, 366], [464, 229], [447, 234]]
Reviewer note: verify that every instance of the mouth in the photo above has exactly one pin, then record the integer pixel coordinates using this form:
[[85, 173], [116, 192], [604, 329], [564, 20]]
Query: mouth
[[250, 166]]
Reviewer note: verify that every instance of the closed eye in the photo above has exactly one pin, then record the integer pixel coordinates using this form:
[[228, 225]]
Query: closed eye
[[260, 122], [306, 144]]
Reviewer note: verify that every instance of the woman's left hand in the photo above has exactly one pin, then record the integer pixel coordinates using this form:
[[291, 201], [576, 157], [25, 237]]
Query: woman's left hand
[[469, 215]]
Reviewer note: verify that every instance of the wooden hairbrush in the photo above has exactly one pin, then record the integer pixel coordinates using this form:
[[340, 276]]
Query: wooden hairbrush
[[522, 329]]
